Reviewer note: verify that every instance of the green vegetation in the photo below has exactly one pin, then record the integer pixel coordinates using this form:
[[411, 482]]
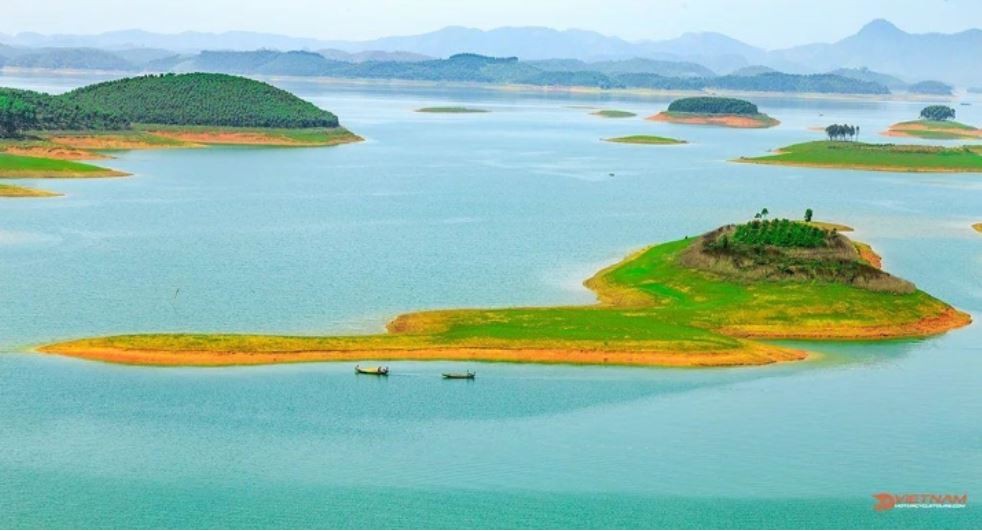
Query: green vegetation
[[938, 113], [451, 110], [16, 166], [9, 190], [24, 110], [881, 157], [712, 105], [688, 302], [645, 139], [201, 99], [780, 233], [610, 113]]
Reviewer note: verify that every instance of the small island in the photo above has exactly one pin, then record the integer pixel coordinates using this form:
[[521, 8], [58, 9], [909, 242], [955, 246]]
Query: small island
[[725, 112], [451, 110], [936, 122], [612, 113], [977, 227], [45, 136], [693, 302], [645, 139], [874, 157]]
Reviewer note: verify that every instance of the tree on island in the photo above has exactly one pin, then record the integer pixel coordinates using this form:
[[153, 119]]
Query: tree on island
[[808, 215], [842, 131], [937, 113]]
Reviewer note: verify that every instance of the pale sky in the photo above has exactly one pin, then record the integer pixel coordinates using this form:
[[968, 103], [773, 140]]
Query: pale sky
[[765, 23]]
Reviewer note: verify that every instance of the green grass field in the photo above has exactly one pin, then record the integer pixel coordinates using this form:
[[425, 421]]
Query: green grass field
[[645, 139], [9, 190], [881, 157], [649, 302], [16, 166], [611, 113], [451, 110]]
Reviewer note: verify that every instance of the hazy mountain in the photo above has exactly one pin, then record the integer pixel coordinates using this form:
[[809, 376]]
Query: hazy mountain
[[637, 65], [69, 58], [879, 46], [753, 70], [865, 74], [373, 55], [882, 46]]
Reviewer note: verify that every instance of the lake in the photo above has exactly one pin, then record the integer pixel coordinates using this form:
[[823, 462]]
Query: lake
[[514, 207]]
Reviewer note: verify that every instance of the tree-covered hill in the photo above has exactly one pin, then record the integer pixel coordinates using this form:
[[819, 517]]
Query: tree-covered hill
[[934, 88], [709, 105], [200, 99]]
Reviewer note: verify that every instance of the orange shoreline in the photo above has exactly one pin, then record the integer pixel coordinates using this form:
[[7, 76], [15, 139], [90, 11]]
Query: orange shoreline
[[892, 169], [724, 120], [750, 354]]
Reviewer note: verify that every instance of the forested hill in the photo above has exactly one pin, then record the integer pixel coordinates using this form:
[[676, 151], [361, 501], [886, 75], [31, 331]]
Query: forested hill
[[200, 99], [22, 110]]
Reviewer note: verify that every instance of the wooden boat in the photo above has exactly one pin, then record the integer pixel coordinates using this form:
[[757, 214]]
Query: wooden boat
[[377, 371], [469, 375]]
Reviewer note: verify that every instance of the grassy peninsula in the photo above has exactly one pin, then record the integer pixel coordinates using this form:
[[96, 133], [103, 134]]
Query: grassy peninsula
[[725, 112], [611, 113], [875, 157], [9, 190], [44, 136], [451, 110], [691, 302], [19, 167], [645, 139]]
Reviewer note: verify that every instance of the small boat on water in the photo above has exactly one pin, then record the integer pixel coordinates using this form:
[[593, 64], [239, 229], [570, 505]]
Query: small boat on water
[[377, 371], [468, 375]]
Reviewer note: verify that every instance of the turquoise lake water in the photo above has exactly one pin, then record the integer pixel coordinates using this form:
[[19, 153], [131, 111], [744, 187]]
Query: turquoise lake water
[[513, 207]]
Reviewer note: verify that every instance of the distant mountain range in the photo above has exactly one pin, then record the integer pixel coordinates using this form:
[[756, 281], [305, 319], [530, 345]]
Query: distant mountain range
[[879, 47]]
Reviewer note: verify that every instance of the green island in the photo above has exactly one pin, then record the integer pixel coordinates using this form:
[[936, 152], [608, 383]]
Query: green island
[[936, 122], [875, 157], [702, 301], [611, 113], [645, 139], [9, 190], [708, 110], [44, 136], [451, 110]]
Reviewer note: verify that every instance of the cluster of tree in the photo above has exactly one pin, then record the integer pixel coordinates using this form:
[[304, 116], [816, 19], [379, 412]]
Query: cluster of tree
[[934, 88], [711, 105], [842, 132], [200, 99], [937, 112], [637, 73], [24, 110], [780, 233]]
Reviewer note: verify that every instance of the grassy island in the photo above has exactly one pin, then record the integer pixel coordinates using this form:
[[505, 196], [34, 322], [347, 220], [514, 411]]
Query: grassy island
[[726, 112], [9, 190], [451, 110], [610, 113], [44, 136], [645, 139], [700, 301], [875, 157], [934, 129]]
